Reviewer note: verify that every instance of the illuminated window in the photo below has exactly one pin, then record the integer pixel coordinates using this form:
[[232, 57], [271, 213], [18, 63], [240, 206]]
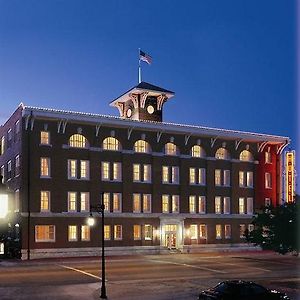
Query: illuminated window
[[147, 203], [136, 203], [246, 155], [72, 233], [222, 153], [218, 231], [44, 233], [193, 232], [136, 172], [268, 181], [249, 182], [117, 232], [45, 201], [171, 149], [202, 204], [85, 233], [84, 201], [45, 138], [147, 173], [226, 205], [84, 169], [242, 231], [111, 143], [106, 202], [217, 177], [227, 230], [249, 206], [226, 178], [197, 151], [192, 176], [72, 169], [78, 141], [165, 204], [241, 179], [141, 146], [72, 201], [203, 231], [117, 202], [268, 158], [175, 204], [148, 232], [241, 205], [45, 167], [141, 173], [175, 175], [2, 145], [192, 201], [117, 171], [170, 174], [218, 209], [105, 171], [107, 232], [137, 232], [165, 174], [17, 170]]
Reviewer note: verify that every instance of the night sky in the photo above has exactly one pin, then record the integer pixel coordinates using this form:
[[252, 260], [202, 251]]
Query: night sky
[[232, 64]]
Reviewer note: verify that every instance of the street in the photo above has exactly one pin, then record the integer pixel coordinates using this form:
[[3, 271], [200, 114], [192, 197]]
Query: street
[[172, 276]]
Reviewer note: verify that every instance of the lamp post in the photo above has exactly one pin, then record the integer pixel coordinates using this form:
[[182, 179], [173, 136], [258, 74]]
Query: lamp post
[[100, 209]]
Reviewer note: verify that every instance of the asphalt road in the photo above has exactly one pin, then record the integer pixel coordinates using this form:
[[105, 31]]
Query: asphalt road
[[163, 277]]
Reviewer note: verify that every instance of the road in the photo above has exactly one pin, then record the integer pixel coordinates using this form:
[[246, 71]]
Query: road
[[162, 277]]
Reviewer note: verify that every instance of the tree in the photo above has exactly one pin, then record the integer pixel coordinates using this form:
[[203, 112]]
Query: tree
[[277, 228]]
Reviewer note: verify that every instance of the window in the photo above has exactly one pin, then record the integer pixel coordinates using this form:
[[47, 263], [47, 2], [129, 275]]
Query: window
[[72, 201], [106, 232], [217, 177], [193, 204], [17, 201], [45, 167], [2, 173], [118, 232], [106, 202], [193, 232], [84, 169], [197, 151], [84, 201], [192, 200], [249, 206], [45, 201], [197, 176], [44, 233], [17, 127], [218, 209], [241, 179], [141, 173], [72, 169], [78, 141], [227, 177], [2, 145], [136, 203], [250, 227], [227, 230], [170, 174], [105, 171], [246, 155], [165, 174], [117, 202], [136, 172], [218, 231], [202, 204], [72, 233], [241, 205], [170, 149], [268, 158], [175, 204], [192, 176], [85, 233], [175, 175], [268, 201], [203, 231], [249, 182], [165, 204], [226, 205], [147, 173], [9, 137], [45, 138], [246, 179], [222, 153], [268, 181], [242, 231], [147, 203], [148, 232], [9, 168], [141, 146], [17, 170], [111, 143], [137, 232], [117, 171]]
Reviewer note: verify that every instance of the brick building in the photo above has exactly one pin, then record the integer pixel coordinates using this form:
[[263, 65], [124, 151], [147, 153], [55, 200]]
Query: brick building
[[164, 185]]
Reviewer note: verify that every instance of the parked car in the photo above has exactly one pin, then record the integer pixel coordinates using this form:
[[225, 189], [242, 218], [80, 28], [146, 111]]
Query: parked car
[[240, 290]]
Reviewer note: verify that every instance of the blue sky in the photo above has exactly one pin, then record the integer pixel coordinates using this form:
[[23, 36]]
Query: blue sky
[[232, 64]]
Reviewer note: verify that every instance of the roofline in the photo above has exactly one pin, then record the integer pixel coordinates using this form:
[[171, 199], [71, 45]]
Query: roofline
[[167, 127]]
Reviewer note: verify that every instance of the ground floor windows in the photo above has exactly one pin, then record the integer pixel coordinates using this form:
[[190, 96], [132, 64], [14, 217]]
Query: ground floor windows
[[137, 232], [85, 233], [72, 233], [118, 232], [45, 233]]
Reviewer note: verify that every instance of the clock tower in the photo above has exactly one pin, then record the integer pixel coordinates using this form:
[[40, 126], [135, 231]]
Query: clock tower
[[143, 102]]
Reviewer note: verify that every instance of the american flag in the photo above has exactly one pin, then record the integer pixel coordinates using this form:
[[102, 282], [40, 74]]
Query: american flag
[[145, 57]]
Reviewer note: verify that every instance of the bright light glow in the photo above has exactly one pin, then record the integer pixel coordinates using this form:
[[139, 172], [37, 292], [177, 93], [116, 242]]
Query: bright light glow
[[187, 233], [17, 225], [3, 205], [1, 248], [91, 221]]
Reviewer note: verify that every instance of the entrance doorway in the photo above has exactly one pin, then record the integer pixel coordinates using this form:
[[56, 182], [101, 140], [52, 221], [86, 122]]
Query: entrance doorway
[[170, 240]]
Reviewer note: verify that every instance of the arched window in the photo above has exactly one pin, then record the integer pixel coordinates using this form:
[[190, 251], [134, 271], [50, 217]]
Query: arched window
[[171, 149], [246, 155], [78, 141], [142, 147], [111, 143], [222, 153], [198, 151]]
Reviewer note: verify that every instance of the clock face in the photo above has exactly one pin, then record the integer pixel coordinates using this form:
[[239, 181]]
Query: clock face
[[129, 112], [150, 109]]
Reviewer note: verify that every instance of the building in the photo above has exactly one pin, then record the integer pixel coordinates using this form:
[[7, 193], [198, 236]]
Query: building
[[164, 185]]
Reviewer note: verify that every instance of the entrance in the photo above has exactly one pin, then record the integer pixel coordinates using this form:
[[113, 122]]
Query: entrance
[[170, 236]]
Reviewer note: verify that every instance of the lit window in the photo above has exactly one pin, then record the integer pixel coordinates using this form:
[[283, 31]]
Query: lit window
[[45, 167], [218, 231], [2, 145], [78, 141], [222, 153], [198, 151], [203, 231], [136, 203], [202, 205], [170, 174], [193, 232], [117, 171], [84, 201], [192, 200], [106, 232], [118, 232], [111, 143], [192, 176], [72, 201], [241, 205], [165, 174], [136, 172], [45, 233], [106, 202], [147, 203], [246, 155], [249, 206], [202, 177], [141, 146], [268, 181], [85, 233], [175, 203], [17, 160], [137, 232], [227, 177], [147, 173], [105, 171], [170, 149], [242, 231], [148, 232], [217, 177], [249, 179], [268, 158], [226, 206], [175, 175], [72, 233], [218, 209], [84, 169], [117, 202], [165, 204], [227, 231], [45, 138], [45, 201], [241, 179], [72, 169]]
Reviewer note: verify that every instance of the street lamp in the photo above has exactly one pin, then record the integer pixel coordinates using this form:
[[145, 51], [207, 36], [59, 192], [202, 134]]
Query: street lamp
[[91, 221]]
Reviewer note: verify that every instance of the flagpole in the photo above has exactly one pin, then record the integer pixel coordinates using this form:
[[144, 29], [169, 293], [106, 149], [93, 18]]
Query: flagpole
[[140, 68]]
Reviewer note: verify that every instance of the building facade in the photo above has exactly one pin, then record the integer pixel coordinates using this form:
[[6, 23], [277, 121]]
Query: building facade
[[164, 186]]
